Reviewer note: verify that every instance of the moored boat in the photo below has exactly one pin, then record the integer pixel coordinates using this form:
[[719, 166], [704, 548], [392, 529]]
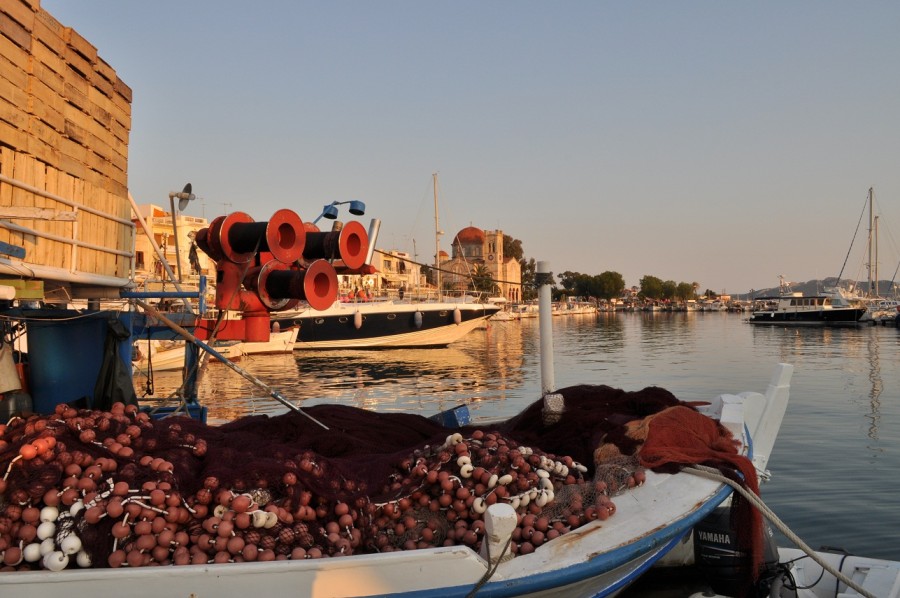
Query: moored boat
[[833, 307], [599, 557], [797, 309], [385, 324]]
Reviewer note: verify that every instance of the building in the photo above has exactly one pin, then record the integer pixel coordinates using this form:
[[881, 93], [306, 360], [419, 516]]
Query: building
[[148, 269], [476, 253], [396, 275]]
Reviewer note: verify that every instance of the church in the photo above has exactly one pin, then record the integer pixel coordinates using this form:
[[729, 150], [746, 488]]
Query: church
[[474, 248]]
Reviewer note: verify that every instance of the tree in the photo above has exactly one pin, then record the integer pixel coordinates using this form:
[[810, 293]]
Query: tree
[[529, 268], [512, 248], [610, 285], [685, 291], [668, 289], [481, 279], [651, 287]]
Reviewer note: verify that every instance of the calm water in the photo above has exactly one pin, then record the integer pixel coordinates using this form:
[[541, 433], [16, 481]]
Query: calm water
[[836, 465]]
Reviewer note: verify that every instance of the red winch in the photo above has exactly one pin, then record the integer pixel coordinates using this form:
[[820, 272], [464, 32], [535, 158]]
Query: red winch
[[263, 267]]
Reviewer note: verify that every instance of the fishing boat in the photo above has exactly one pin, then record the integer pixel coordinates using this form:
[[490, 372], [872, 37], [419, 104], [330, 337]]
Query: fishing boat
[[168, 356], [164, 356], [599, 558], [385, 324]]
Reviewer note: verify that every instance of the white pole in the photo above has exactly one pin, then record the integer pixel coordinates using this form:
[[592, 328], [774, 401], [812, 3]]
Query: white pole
[[544, 281]]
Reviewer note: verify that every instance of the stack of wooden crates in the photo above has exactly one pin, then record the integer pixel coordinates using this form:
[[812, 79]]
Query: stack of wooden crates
[[65, 118]]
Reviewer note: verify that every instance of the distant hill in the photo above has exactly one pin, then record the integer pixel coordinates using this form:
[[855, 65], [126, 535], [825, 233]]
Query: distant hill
[[811, 287]]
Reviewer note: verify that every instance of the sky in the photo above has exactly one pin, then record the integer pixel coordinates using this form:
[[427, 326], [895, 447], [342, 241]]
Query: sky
[[721, 143]]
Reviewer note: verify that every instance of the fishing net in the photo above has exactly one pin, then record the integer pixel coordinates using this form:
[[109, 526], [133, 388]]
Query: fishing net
[[120, 488]]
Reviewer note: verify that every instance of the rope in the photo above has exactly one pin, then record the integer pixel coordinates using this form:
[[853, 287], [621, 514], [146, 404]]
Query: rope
[[713, 474], [491, 569]]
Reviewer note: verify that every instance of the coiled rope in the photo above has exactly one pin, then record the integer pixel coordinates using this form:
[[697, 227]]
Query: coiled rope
[[713, 474]]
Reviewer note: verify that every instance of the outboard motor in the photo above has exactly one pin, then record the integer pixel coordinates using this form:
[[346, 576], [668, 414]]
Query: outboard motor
[[725, 566]]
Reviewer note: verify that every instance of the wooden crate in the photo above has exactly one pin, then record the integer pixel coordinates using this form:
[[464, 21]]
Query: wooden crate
[[65, 121]]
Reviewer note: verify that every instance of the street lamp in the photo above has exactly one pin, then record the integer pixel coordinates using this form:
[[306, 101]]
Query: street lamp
[[357, 208], [183, 198]]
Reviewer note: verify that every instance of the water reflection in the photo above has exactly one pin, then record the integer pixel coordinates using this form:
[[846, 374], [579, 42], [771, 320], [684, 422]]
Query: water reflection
[[877, 386]]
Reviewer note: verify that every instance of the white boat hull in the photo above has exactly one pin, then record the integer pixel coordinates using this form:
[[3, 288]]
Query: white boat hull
[[386, 324]]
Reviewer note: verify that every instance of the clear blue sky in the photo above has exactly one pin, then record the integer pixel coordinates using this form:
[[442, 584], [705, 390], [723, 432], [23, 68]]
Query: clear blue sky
[[718, 142]]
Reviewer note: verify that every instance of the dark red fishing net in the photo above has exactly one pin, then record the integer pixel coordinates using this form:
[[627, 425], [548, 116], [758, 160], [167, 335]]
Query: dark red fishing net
[[331, 481]]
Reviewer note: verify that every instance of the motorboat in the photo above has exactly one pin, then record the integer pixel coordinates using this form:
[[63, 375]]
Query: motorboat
[[797, 309], [385, 324]]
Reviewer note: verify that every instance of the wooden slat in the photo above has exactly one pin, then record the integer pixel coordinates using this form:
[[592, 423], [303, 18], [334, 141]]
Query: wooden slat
[[123, 90], [22, 171], [12, 137], [15, 32], [49, 36], [42, 249], [85, 48], [20, 12], [44, 104], [13, 115], [104, 70], [65, 187], [39, 212], [51, 23], [15, 55], [6, 167]]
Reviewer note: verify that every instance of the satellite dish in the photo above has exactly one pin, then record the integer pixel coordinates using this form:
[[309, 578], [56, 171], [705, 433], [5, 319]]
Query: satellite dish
[[185, 197]]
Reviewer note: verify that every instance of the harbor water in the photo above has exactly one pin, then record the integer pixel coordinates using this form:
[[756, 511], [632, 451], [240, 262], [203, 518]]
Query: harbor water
[[835, 465]]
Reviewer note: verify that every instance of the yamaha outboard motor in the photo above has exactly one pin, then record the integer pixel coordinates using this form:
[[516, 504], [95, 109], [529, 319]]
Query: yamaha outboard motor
[[727, 568]]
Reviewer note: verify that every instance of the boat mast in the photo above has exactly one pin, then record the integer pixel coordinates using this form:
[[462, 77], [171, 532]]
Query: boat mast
[[437, 240], [877, 289], [871, 232]]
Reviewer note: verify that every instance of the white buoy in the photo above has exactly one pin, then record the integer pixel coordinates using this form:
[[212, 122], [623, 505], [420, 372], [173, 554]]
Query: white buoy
[[46, 530], [357, 319], [49, 513], [457, 315], [32, 552], [83, 559], [70, 544], [417, 319], [56, 561]]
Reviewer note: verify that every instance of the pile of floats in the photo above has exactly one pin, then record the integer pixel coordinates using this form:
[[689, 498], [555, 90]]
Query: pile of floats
[[87, 488]]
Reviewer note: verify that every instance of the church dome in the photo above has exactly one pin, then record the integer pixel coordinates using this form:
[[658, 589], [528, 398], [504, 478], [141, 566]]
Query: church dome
[[470, 236]]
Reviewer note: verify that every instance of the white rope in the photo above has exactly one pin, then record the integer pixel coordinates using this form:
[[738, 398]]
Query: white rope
[[713, 474]]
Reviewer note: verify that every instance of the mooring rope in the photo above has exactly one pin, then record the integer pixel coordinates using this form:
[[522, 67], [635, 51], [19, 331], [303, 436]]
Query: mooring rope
[[713, 474]]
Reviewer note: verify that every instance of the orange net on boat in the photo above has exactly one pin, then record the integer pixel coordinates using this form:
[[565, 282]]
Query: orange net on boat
[[680, 436]]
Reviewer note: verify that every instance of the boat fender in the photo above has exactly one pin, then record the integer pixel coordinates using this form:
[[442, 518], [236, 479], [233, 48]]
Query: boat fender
[[457, 315], [417, 319], [357, 319]]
